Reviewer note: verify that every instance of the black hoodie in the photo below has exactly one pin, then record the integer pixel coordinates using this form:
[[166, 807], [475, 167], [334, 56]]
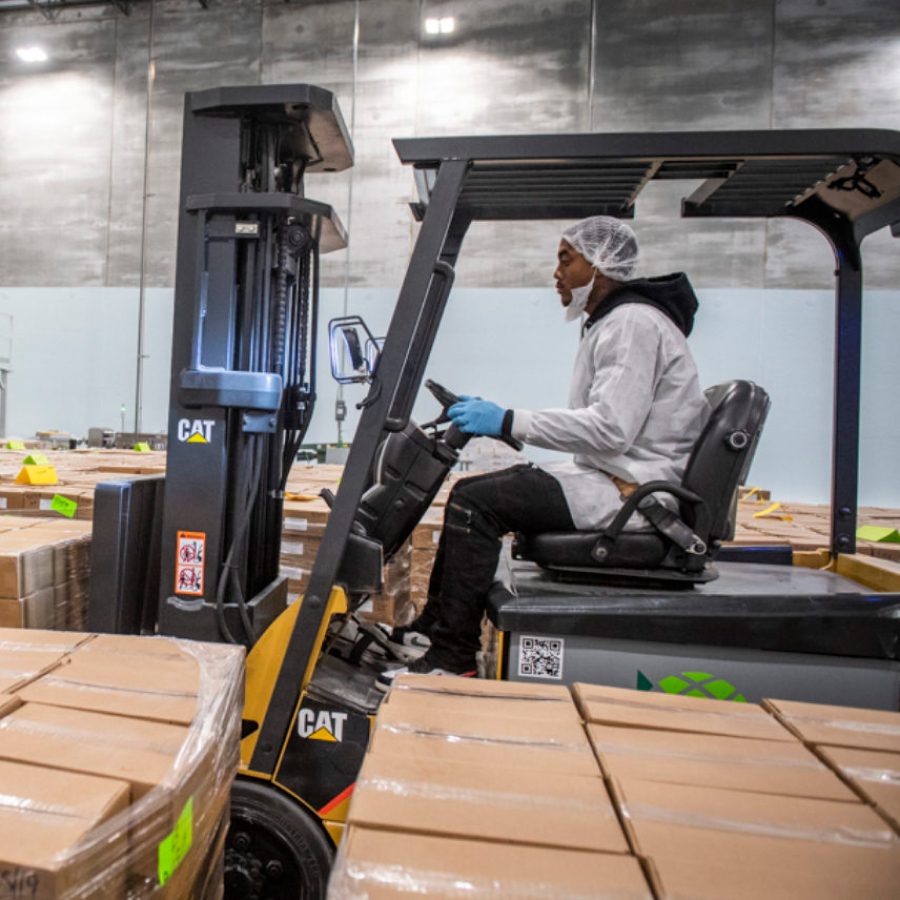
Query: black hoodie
[[670, 294]]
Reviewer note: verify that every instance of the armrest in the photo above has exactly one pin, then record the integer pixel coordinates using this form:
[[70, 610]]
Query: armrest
[[643, 495]]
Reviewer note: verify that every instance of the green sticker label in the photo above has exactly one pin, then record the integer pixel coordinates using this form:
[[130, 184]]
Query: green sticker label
[[36, 459], [64, 506], [15, 445], [175, 846]]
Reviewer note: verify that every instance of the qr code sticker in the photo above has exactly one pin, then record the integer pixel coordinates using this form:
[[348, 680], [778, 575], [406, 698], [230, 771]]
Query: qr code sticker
[[541, 657]]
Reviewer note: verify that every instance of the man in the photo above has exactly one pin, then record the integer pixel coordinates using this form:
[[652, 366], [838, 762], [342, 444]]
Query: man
[[635, 411]]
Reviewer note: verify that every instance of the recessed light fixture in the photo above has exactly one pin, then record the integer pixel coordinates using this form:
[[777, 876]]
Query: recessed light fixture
[[31, 54], [444, 25]]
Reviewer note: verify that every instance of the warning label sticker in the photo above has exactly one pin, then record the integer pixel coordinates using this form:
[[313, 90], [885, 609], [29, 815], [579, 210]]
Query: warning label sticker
[[190, 561]]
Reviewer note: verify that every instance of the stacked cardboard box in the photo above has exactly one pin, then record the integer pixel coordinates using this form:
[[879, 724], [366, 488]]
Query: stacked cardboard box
[[862, 745], [716, 799], [304, 527], [425, 539], [44, 572], [486, 785], [721, 800], [78, 473], [302, 531], [116, 761]]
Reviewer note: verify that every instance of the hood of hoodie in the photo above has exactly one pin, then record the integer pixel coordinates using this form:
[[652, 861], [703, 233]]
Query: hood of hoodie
[[670, 294]]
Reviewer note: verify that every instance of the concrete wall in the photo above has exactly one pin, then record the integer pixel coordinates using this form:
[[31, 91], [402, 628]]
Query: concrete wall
[[89, 167], [73, 131]]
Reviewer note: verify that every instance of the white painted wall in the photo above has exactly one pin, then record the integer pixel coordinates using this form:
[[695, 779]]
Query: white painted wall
[[74, 351]]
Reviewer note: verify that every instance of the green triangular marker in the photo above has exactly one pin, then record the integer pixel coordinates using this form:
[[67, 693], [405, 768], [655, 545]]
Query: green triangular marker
[[36, 459], [878, 533], [643, 682], [142, 447], [15, 445]]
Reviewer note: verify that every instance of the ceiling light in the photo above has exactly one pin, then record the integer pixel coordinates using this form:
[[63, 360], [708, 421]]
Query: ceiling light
[[444, 25], [31, 54]]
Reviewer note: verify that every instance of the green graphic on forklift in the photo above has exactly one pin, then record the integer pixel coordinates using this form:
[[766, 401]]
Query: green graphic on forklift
[[693, 684]]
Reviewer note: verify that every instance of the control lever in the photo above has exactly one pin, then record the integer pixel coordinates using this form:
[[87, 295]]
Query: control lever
[[447, 399]]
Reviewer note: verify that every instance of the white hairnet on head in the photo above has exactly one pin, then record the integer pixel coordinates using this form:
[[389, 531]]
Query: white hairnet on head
[[608, 244]]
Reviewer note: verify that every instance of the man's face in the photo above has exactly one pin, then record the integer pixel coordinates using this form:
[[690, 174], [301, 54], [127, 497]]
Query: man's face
[[572, 270]]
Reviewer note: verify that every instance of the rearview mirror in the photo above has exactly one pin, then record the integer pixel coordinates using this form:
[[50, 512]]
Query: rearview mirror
[[353, 349]]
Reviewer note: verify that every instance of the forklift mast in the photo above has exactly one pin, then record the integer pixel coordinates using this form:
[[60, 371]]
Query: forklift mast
[[243, 349]]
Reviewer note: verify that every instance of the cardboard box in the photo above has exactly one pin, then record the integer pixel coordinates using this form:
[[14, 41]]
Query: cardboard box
[[674, 712], [770, 767], [478, 688], [300, 552], [538, 758], [20, 667], [711, 843], [427, 534], [405, 718], [136, 685], [508, 805], [125, 647], [42, 641], [875, 775], [306, 516], [44, 816], [133, 750], [783, 871], [38, 610], [11, 498], [26, 564], [839, 726], [450, 706], [437, 867]]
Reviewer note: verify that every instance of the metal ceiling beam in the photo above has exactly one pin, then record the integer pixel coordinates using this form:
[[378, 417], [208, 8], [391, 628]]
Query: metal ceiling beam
[[51, 8]]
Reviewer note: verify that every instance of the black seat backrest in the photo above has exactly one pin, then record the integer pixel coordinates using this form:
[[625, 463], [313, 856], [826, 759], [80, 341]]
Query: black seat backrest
[[722, 455]]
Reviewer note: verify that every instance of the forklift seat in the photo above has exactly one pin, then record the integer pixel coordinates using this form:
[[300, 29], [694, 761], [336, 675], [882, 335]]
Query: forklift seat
[[681, 547]]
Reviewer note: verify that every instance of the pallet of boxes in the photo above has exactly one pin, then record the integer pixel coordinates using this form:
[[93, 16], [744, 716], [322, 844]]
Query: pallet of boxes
[[117, 756], [44, 572], [499, 789], [303, 529]]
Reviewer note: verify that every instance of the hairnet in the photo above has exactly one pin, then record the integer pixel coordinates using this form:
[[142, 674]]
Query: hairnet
[[608, 244]]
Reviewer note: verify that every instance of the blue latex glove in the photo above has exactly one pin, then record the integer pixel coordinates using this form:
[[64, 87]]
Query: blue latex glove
[[475, 416]]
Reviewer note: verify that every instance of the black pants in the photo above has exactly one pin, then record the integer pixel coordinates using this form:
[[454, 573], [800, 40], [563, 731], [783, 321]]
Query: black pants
[[479, 512]]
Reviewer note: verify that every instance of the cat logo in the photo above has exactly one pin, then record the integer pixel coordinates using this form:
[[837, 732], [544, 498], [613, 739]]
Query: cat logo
[[195, 431], [322, 726]]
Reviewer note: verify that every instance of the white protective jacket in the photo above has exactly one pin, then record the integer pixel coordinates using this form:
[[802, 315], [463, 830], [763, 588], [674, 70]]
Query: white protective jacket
[[635, 411]]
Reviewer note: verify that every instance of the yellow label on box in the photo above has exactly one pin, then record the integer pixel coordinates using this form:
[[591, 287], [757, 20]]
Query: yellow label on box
[[36, 459], [15, 445], [141, 447], [174, 847], [37, 475]]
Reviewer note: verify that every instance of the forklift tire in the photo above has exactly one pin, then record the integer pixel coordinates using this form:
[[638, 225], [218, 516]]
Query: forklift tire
[[276, 849]]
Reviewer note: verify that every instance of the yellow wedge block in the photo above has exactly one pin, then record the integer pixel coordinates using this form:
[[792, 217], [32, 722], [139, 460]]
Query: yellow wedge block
[[37, 475]]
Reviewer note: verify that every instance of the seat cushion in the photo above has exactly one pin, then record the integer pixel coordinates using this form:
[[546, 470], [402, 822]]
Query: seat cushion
[[632, 550]]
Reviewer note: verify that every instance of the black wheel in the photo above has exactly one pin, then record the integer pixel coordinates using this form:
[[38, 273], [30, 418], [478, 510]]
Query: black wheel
[[275, 850]]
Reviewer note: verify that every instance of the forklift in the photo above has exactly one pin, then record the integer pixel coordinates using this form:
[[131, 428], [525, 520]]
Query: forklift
[[195, 554]]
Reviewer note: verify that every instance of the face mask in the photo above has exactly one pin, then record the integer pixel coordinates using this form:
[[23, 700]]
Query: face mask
[[580, 297]]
